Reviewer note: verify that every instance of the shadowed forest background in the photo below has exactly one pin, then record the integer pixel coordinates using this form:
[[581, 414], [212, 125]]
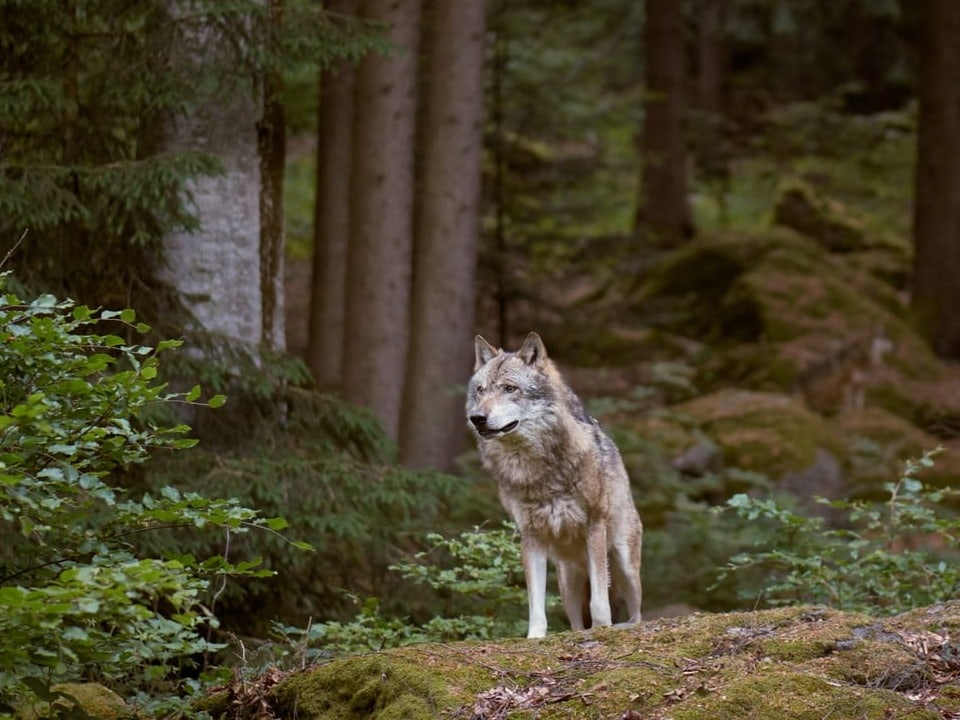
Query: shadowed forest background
[[735, 223]]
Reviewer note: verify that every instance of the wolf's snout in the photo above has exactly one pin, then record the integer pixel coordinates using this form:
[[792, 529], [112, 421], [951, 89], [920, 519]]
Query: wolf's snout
[[484, 430]]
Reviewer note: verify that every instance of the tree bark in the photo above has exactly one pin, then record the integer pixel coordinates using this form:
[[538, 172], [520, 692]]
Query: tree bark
[[272, 148], [381, 217], [711, 83], [217, 270], [444, 294], [331, 223], [663, 213], [936, 271]]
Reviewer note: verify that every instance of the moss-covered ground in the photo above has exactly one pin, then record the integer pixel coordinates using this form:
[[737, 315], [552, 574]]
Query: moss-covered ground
[[803, 662]]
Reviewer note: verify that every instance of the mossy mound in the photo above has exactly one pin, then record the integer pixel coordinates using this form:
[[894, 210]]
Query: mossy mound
[[397, 686], [798, 290], [86, 700], [805, 662], [801, 207], [763, 432], [878, 442], [774, 304], [689, 291], [781, 313]]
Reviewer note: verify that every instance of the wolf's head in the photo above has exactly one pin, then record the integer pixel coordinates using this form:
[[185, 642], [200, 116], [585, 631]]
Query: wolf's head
[[509, 390]]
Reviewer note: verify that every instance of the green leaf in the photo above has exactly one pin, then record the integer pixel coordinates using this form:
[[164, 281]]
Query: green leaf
[[88, 605], [61, 449], [217, 401], [276, 523]]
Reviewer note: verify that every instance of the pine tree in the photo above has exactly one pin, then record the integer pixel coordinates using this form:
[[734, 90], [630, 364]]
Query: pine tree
[[83, 87]]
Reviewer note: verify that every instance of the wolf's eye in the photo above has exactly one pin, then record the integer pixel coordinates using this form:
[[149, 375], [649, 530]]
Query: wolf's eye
[[509, 389], [479, 390]]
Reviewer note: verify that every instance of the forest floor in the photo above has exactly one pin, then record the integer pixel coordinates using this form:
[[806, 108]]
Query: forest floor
[[803, 662]]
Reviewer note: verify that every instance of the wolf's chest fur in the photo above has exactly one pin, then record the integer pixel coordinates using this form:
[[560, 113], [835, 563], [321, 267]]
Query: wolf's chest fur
[[544, 489]]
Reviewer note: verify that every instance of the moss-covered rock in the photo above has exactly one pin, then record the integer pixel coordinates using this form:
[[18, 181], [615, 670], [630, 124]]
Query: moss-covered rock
[[768, 433], [689, 290], [804, 662], [800, 207], [878, 442], [389, 687], [87, 700]]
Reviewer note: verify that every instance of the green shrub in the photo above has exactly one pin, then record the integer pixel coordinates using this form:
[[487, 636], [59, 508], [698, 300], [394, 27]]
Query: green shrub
[[478, 570], [77, 599], [879, 558], [328, 468]]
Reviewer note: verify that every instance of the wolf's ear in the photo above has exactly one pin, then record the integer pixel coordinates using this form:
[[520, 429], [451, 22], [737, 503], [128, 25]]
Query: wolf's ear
[[532, 351], [485, 353]]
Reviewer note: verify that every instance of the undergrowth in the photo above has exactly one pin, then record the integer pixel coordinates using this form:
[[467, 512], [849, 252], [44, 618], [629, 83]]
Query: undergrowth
[[878, 558]]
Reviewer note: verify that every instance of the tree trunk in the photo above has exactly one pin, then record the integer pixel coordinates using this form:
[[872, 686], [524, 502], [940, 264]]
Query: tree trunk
[[272, 148], [331, 222], [381, 217], [711, 83], [444, 294], [663, 214], [936, 288], [217, 270]]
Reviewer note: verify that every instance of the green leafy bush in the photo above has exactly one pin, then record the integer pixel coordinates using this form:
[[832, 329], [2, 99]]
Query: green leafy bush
[[479, 570], [77, 600], [328, 468], [879, 558]]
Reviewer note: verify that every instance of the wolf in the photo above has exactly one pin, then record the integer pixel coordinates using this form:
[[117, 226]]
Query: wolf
[[561, 479]]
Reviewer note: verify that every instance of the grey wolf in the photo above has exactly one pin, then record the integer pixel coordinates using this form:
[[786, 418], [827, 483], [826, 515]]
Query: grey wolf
[[561, 479]]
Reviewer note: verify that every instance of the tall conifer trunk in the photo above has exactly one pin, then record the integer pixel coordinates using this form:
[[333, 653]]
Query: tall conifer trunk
[[444, 294], [272, 148], [331, 219], [936, 273], [712, 69], [663, 213], [381, 217]]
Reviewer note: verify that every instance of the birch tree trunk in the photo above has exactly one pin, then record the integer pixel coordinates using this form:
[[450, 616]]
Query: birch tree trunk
[[381, 217], [331, 223], [218, 271], [444, 294]]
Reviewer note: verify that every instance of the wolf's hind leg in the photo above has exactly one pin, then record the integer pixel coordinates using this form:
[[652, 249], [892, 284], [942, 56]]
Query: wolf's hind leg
[[626, 571], [599, 572], [574, 591]]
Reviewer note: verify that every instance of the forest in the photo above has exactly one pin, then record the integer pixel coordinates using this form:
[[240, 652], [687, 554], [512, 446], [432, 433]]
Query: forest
[[246, 245]]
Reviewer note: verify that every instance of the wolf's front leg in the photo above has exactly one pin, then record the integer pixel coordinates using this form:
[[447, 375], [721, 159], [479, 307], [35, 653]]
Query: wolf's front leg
[[534, 556], [598, 571]]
